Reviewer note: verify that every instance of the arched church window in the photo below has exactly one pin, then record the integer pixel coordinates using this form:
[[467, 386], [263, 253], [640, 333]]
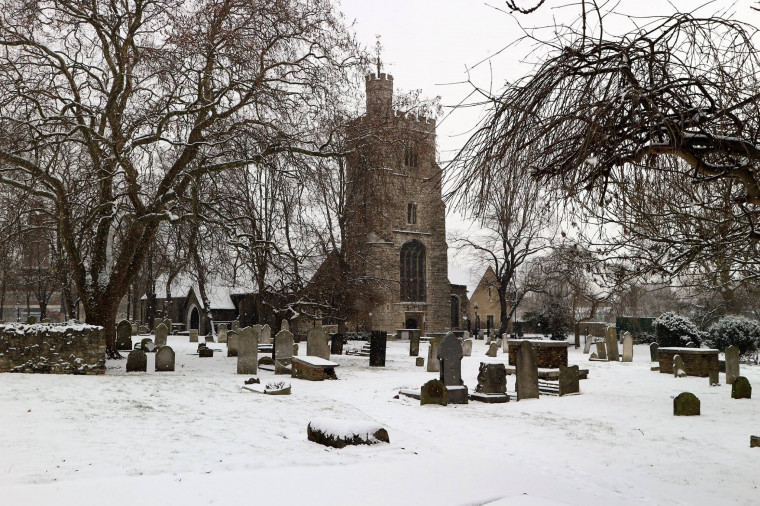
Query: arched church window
[[411, 158], [454, 311], [413, 272]]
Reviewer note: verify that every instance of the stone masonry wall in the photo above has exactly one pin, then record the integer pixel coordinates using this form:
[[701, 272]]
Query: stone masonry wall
[[57, 349], [547, 356], [697, 362]]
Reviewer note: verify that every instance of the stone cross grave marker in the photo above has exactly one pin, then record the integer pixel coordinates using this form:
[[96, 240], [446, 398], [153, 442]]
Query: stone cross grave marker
[[283, 352], [526, 372], [377, 347], [160, 333], [467, 347], [569, 380], [316, 343], [221, 333], [654, 352], [613, 353], [165, 359], [732, 364], [248, 351], [232, 343], [432, 361], [627, 347]]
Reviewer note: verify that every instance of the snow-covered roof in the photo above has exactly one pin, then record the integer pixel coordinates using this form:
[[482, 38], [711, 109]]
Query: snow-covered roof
[[219, 294]]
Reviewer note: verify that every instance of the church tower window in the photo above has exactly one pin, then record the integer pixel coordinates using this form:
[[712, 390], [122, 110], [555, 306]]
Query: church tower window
[[413, 272], [411, 157], [411, 214]]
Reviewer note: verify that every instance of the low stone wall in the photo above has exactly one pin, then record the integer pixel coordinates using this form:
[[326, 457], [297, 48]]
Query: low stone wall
[[57, 349], [696, 361], [549, 354]]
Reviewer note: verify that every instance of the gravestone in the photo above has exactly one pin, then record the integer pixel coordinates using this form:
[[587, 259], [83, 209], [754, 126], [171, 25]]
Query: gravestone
[[627, 347], [248, 351], [434, 392], [467, 347], [336, 344], [283, 352], [137, 361], [134, 328], [526, 372], [31, 320], [147, 345], [432, 360], [493, 350], [168, 323], [419, 361], [285, 325], [232, 343], [654, 352], [741, 389], [714, 378], [414, 344], [316, 343], [265, 337], [612, 345], [221, 333], [504, 343], [204, 351], [165, 359], [160, 334], [193, 335], [450, 358], [679, 370], [593, 356], [601, 350], [686, 404], [569, 380], [124, 335], [492, 379], [143, 329], [377, 346], [732, 364], [587, 343], [236, 325], [754, 441]]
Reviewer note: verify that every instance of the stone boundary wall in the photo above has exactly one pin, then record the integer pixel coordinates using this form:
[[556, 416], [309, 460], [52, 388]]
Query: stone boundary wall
[[697, 361], [549, 354], [56, 349]]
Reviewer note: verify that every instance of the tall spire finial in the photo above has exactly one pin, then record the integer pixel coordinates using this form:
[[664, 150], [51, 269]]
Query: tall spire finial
[[378, 51]]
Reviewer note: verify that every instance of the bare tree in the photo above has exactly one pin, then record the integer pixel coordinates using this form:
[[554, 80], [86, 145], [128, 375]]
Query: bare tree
[[111, 110]]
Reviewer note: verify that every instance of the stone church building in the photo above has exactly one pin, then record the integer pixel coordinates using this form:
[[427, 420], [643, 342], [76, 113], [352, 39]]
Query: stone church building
[[396, 218]]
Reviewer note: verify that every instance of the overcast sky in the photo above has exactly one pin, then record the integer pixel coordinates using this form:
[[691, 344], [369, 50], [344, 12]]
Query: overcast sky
[[429, 44]]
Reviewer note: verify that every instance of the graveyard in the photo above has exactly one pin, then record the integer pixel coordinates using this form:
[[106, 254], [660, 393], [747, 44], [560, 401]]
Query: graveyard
[[196, 436]]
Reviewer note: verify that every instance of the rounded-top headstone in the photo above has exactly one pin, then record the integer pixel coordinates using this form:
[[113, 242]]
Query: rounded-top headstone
[[165, 359], [741, 389], [434, 392], [686, 404], [137, 361]]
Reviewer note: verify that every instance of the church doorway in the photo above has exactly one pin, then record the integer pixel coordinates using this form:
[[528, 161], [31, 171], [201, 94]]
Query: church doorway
[[195, 319], [415, 320]]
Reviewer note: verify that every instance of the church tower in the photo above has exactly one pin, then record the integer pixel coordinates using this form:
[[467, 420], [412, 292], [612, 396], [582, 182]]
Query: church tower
[[395, 217]]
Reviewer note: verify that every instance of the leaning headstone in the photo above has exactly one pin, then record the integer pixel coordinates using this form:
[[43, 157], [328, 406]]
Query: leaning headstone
[[414, 344], [265, 336], [232, 343], [527, 372], [493, 350], [377, 346], [741, 389], [601, 351], [160, 334], [686, 404], [612, 345], [654, 352], [419, 362], [221, 333], [450, 358], [316, 343], [193, 335], [467, 347], [627, 347], [679, 370], [569, 380], [732, 364], [165, 359], [248, 352], [336, 344], [434, 392], [432, 360], [124, 336], [285, 325], [137, 361], [283, 352], [492, 379]]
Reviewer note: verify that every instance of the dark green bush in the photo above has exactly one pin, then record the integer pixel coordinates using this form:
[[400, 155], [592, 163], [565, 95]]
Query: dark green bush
[[671, 329]]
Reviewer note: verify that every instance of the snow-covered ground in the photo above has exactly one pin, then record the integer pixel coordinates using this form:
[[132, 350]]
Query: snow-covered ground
[[195, 437]]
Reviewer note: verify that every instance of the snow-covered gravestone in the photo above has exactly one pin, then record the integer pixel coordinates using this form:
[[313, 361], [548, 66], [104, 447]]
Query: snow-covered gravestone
[[613, 354], [160, 334], [732, 364], [221, 333], [679, 370], [316, 343], [232, 343], [283, 352], [432, 362], [165, 359], [450, 358], [526, 372], [627, 347], [265, 337], [248, 352], [339, 433]]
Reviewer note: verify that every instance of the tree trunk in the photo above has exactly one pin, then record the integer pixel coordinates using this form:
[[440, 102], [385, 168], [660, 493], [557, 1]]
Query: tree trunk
[[103, 313]]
